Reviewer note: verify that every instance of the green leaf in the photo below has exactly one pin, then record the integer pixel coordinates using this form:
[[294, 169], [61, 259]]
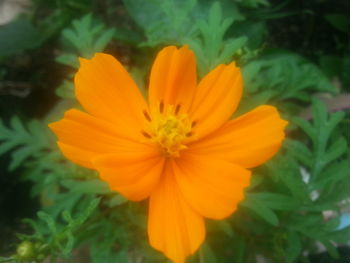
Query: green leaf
[[83, 216], [305, 126], [87, 36], [163, 21], [210, 46], [294, 247], [68, 59], [336, 172], [60, 239], [331, 65], [274, 200], [339, 21], [8, 260], [63, 201], [69, 244], [19, 156], [300, 151], [25, 142], [288, 75], [313, 225], [261, 210], [18, 36], [331, 248], [67, 216], [325, 149], [225, 227], [335, 119], [103, 40], [93, 186], [340, 236], [319, 113], [256, 32], [241, 247], [5, 132], [103, 251], [229, 49], [92, 206], [335, 150], [7, 146], [66, 90], [286, 170], [49, 221], [207, 254], [117, 200]]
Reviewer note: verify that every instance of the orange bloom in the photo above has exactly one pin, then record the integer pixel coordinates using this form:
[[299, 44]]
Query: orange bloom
[[180, 149]]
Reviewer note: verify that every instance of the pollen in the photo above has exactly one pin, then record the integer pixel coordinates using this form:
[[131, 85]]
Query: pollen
[[169, 128]]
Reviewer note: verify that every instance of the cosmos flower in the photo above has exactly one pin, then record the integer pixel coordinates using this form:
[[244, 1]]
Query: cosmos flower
[[180, 149]]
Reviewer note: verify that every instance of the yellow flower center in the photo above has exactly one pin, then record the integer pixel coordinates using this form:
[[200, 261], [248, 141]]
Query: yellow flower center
[[169, 129]]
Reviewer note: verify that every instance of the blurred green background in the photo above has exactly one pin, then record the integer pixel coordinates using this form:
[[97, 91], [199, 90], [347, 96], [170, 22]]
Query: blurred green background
[[294, 54]]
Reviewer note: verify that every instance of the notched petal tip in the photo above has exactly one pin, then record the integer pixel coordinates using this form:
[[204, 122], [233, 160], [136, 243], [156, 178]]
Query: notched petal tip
[[186, 48], [82, 61], [170, 52], [233, 65], [53, 125], [285, 123], [181, 51], [100, 55], [166, 50], [186, 51], [273, 111], [234, 69]]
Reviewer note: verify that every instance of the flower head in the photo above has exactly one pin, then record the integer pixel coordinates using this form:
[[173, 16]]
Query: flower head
[[180, 149]]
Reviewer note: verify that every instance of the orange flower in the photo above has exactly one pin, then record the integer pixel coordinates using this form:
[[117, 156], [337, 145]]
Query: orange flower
[[180, 149]]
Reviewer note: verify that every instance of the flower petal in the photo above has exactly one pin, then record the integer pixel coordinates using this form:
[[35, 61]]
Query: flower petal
[[77, 155], [248, 141], [173, 226], [133, 174], [212, 187], [82, 137], [173, 77], [216, 98], [106, 90]]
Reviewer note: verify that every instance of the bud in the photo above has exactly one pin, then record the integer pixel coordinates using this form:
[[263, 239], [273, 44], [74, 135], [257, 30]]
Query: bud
[[25, 250]]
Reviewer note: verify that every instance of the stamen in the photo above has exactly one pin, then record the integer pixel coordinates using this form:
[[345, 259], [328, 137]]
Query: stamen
[[169, 128], [145, 113], [161, 107], [146, 134], [194, 123], [177, 109]]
